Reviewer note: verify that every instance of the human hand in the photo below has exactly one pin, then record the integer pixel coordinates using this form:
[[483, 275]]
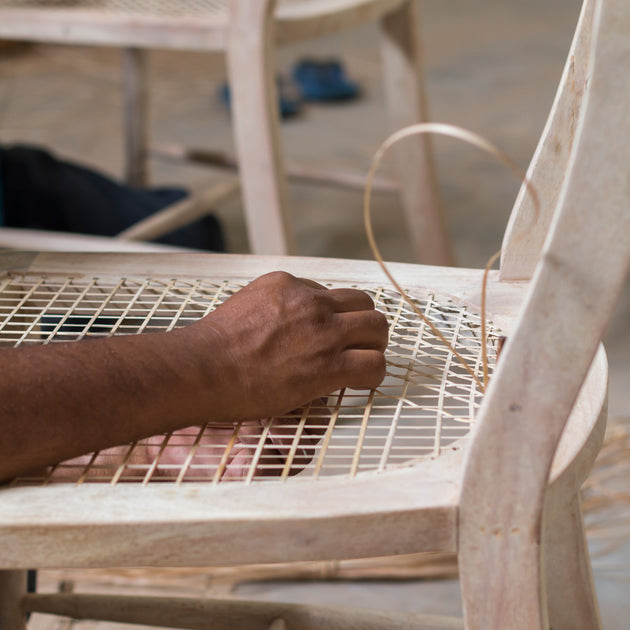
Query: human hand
[[282, 341], [274, 346]]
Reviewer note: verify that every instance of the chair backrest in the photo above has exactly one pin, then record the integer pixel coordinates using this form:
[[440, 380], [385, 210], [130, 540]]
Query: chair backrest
[[525, 234], [570, 301]]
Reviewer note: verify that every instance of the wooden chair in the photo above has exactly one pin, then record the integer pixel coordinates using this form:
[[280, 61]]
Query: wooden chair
[[425, 462], [246, 32]]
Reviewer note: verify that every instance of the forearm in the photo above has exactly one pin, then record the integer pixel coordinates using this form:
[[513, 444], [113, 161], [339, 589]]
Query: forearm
[[272, 347], [63, 400]]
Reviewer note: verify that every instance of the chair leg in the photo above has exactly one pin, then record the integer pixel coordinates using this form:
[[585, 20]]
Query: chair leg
[[501, 578], [570, 591], [256, 129], [136, 115], [406, 105], [12, 590]]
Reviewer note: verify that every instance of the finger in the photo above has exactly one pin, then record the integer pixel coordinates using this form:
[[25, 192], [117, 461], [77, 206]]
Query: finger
[[344, 298], [351, 300], [364, 330], [362, 369]]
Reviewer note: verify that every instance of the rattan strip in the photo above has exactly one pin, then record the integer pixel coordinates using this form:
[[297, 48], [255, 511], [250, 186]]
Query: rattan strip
[[425, 404], [191, 454], [443, 384], [396, 416], [123, 464], [226, 453], [64, 317], [295, 443], [329, 431]]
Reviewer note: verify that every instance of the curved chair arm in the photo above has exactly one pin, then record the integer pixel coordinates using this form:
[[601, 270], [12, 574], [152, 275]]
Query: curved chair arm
[[577, 286]]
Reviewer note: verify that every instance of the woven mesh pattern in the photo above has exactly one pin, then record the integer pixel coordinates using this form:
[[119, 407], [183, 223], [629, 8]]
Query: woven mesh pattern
[[426, 403], [172, 8]]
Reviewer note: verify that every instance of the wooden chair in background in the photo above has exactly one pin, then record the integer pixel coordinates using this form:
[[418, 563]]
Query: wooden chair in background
[[425, 462], [247, 32]]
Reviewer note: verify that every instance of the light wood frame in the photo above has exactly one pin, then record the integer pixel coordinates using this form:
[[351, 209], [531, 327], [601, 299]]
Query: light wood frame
[[507, 502]]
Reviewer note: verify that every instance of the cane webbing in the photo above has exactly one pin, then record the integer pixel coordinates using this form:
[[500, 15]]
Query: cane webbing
[[172, 8], [426, 403], [213, 9]]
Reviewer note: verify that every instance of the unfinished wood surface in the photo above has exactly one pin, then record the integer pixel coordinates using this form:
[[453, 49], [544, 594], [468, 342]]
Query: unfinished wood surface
[[424, 495], [42, 240], [254, 103], [193, 25], [297, 172], [583, 267], [570, 591], [526, 232], [333, 492], [182, 213], [406, 105]]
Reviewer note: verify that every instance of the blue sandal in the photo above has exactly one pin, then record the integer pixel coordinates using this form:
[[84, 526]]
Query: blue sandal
[[324, 80]]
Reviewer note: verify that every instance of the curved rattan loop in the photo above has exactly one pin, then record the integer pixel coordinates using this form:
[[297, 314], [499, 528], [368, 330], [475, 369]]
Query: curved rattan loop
[[459, 133]]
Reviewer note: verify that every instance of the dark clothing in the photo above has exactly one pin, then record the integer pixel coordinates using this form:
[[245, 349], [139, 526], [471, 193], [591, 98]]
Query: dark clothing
[[41, 192]]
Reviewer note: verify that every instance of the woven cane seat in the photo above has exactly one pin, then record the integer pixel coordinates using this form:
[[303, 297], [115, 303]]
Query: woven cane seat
[[355, 455], [425, 405], [156, 23]]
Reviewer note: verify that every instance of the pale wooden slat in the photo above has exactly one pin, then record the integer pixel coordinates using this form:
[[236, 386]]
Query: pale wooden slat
[[179, 214], [571, 592], [406, 105], [293, 170], [255, 118], [526, 232], [539, 376], [40, 240], [203, 28]]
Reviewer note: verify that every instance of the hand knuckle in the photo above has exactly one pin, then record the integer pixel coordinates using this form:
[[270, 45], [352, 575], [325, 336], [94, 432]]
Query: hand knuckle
[[279, 276]]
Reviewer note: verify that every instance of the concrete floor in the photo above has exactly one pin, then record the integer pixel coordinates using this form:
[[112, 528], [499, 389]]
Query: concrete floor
[[491, 66]]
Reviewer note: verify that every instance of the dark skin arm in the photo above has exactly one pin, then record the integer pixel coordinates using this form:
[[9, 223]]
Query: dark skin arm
[[275, 345]]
